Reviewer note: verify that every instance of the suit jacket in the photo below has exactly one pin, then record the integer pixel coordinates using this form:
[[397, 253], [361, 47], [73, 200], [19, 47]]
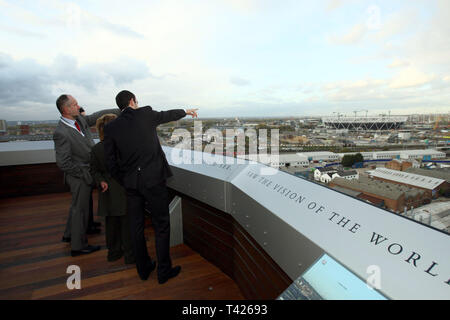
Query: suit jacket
[[72, 150], [132, 146], [112, 202]]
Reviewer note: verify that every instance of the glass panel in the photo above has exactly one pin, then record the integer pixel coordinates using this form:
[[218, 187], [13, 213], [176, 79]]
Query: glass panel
[[327, 279]]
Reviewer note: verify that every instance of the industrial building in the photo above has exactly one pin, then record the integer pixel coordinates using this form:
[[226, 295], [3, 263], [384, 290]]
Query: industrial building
[[436, 214], [431, 186], [426, 154], [386, 155], [366, 155], [390, 195], [276, 161], [433, 173], [401, 165], [290, 160], [320, 156], [420, 154]]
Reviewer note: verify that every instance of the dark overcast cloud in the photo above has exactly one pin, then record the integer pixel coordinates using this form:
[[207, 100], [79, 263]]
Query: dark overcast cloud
[[28, 81], [23, 80]]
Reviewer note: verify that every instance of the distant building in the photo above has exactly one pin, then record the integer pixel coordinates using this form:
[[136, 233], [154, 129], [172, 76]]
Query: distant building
[[325, 175], [366, 155], [326, 178], [401, 165], [320, 156], [318, 173], [365, 123], [436, 214], [404, 135], [347, 174], [3, 127], [426, 154], [410, 155], [282, 160], [394, 196], [349, 192], [386, 155], [430, 185], [433, 173], [24, 129]]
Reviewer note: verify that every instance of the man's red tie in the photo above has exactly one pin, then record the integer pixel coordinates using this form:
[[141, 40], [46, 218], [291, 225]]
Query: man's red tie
[[78, 126]]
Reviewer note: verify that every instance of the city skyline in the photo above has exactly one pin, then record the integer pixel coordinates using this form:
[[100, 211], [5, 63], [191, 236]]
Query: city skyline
[[228, 58]]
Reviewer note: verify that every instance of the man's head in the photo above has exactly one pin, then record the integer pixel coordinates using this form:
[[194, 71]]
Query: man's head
[[68, 106], [125, 99], [101, 122]]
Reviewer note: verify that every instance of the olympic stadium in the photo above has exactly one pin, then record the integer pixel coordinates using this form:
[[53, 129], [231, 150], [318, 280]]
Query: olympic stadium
[[365, 123]]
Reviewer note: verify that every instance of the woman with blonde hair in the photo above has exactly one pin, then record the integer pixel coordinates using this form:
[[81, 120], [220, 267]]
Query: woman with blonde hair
[[112, 201]]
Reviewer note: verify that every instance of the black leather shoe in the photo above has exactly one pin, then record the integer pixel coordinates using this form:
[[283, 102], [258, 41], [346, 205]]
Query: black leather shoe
[[64, 239], [146, 273], [172, 274], [93, 231], [88, 249]]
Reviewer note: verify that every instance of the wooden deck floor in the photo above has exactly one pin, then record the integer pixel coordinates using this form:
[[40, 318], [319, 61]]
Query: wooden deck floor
[[33, 261]]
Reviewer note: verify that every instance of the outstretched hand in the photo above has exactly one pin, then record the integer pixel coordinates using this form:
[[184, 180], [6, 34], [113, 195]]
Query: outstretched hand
[[192, 112], [104, 186]]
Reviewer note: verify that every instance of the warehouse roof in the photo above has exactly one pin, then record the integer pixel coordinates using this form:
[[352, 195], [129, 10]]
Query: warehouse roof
[[407, 178], [291, 157], [349, 192], [433, 173], [317, 153], [380, 188], [347, 173], [421, 152], [327, 169], [364, 184], [286, 157]]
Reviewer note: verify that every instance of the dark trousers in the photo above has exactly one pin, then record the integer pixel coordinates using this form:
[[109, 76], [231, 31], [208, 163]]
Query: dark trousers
[[91, 213], [77, 222], [158, 202], [118, 238]]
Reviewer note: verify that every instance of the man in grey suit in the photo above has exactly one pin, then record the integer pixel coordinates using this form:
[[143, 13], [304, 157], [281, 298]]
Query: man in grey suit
[[73, 144]]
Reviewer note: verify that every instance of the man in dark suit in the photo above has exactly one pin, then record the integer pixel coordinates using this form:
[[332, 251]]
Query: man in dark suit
[[73, 144], [135, 158]]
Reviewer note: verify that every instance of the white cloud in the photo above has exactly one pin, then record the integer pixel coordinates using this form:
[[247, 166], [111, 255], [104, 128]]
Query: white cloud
[[172, 58], [396, 24], [21, 32], [333, 5], [397, 63], [410, 77], [352, 36]]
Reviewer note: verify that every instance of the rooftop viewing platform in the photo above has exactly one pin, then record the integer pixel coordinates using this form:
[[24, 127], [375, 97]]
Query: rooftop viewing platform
[[296, 150], [249, 231]]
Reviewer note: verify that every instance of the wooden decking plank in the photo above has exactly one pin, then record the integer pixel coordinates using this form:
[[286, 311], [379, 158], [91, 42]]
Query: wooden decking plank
[[33, 260]]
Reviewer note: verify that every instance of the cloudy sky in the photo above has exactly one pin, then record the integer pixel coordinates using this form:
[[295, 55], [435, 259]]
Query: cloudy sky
[[226, 57]]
